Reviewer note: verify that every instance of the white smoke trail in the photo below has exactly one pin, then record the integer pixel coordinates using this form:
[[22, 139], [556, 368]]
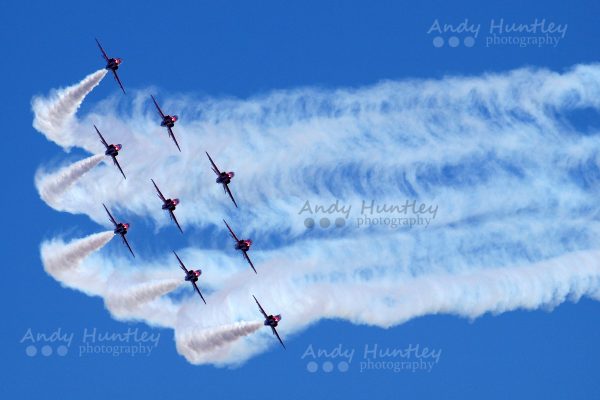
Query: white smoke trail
[[55, 113], [63, 262], [515, 181], [58, 256], [205, 345], [394, 140], [52, 186], [121, 300], [383, 297], [75, 265]]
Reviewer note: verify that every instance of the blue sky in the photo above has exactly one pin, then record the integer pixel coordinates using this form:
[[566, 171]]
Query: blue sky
[[240, 50]]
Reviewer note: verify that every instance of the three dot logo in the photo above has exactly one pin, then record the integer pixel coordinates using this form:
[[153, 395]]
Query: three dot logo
[[46, 344], [324, 222], [46, 350], [327, 366], [453, 41]]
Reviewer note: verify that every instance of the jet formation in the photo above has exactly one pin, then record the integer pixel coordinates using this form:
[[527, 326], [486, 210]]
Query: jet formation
[[170, 204]]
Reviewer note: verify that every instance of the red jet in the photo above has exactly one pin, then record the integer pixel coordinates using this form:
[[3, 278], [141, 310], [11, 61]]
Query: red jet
[[168, 204], [271, 320], [224, 178], [168, 121], [112, 150], [242, 245], [112, 64], [191, 276], [120, 229]]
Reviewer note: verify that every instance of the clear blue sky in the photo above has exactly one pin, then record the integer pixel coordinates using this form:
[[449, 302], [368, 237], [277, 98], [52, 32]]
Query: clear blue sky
[[238, 49]]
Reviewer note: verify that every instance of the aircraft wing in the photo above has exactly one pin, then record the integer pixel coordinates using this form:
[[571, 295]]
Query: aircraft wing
[[101, 138], [277, 334], [229, 193], [119, 81], [198, 290], [119, 166], [157, 107], [127, 244], [172, 214], [249, 261], [214, 166], [173, 137], [102, 50], [180, 263], [110, 215], [230, 231], [159, 192], [260, 308]]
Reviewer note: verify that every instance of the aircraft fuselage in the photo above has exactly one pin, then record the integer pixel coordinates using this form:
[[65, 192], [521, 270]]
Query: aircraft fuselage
[[243, 245], [273, 320], [170, 204], [192, 276], [121, 229], [113, 150], [225, 178], [113, 64], [168, 121]]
